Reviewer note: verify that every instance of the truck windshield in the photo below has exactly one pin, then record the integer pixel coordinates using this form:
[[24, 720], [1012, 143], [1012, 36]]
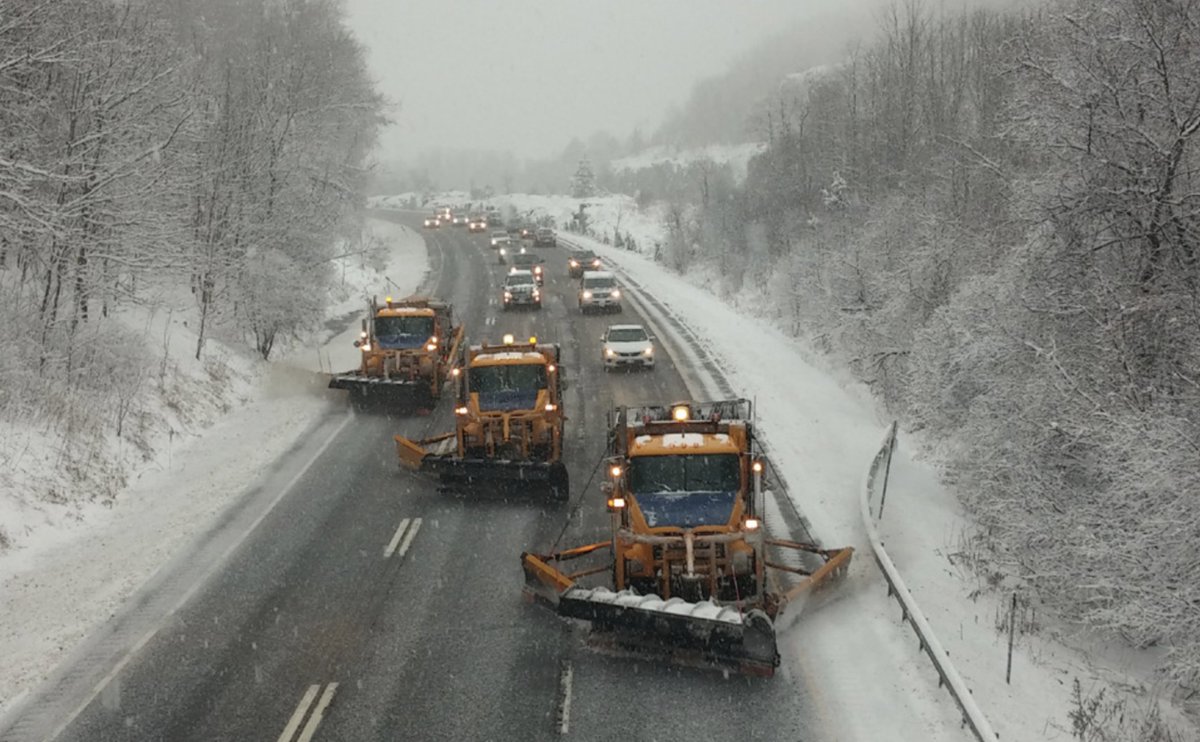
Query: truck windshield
[[509, 387], [599, 283], [421, 327], [685, 491], [685, 474]]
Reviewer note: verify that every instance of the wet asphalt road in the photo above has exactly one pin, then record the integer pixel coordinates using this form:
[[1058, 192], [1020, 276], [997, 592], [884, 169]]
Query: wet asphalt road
[[368, 605]]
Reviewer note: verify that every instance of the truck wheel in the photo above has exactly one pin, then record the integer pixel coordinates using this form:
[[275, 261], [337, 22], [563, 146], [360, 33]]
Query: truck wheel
[[560, 489]]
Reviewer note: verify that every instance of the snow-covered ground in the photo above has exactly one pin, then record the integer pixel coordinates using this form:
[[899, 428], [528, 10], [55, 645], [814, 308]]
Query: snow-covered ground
[[72, 565], [824, 429], [736, 155]]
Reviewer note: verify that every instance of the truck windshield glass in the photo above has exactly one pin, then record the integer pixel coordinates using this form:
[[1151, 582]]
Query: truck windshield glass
[[421, 327], [626, 335], [514, 378], [518, 279], [650, 475], [599, 283]]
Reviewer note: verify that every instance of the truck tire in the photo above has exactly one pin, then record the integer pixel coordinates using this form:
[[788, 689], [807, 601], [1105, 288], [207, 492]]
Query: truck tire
[[560, 481]]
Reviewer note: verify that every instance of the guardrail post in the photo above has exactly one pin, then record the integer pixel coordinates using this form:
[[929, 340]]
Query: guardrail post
[[887, 468]]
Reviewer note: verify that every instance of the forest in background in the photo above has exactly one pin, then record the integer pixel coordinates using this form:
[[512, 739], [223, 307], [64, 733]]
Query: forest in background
[[201, 158]]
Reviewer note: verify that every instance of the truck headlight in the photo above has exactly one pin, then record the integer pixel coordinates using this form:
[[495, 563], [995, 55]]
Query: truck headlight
[[430, 347], [616, 294], [587, 294], [610, 352], [648, 351]]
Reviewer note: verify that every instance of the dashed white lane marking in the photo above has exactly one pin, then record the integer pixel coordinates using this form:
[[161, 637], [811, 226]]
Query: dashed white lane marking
[[408, 538], [187, 596], [564, 707], [318, 713], [490, 321], [298, 715], [391, 547]]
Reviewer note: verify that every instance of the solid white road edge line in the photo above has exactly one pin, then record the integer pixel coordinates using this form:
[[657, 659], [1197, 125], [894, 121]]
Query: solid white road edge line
[[408, 538], [137, 647], [318, 713], [298, 715], [564, 709], [391, 547]]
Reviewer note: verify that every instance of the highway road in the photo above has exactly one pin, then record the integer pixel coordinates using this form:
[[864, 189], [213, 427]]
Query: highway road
[[368, 605]]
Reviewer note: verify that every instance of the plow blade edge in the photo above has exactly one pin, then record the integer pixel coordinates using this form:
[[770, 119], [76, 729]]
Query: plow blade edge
[[706, 632]]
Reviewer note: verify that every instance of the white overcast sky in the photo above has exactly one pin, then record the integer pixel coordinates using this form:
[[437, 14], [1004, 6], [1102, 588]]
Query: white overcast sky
[[527, 75]]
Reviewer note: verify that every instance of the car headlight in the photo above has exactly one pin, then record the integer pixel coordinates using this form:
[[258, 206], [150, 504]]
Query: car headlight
[[366, 347], [494, 243], [537, 269], [536, 293], [503, 251], [616, 294], [587, 294], [574, 264], [610, 352], [595, 263], [430, 347], [648, 351], [507, 295]]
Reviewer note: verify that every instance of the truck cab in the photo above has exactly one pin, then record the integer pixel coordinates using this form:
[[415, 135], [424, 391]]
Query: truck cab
[[683, 488]]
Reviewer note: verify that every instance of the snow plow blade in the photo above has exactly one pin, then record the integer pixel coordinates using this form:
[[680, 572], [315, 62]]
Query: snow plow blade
[[689, 633], [702, 634], [355, 380], [439, 456]]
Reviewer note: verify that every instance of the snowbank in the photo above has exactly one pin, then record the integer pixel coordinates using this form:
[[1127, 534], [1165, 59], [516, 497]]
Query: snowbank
[[737, 156]]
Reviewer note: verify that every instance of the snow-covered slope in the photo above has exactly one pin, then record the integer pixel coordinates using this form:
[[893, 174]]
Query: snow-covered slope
[[736, 156], [60, 578]]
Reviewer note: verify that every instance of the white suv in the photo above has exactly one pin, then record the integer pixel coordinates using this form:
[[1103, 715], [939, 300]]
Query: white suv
[[627, 345], [598, 290]]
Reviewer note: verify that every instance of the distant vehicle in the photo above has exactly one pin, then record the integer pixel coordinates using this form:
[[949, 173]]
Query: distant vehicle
[[460, 220], [530, 262], [544, 237], [514, 230], [493, 218], [500, 238], [527, 232], [477, 223], [626, 345], [598, 290], [584, 260], [431, 222], [521, 289], [443, 214]]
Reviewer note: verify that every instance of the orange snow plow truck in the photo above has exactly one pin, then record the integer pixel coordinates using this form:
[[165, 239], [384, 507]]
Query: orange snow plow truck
[[508, 421], [689, 571], [407, 346]]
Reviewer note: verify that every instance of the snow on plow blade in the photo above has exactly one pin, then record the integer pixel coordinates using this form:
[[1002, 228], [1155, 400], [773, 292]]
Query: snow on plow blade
[[705, 632]]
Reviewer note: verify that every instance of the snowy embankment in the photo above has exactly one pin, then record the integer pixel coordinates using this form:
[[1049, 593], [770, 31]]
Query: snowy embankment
[[824, 429], [73, 564], [737, 156]]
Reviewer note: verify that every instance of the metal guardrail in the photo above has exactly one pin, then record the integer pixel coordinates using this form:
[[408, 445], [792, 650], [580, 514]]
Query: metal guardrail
[[948, 676]]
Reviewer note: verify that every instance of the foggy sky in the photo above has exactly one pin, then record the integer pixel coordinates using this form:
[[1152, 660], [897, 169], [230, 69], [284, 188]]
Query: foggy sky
[[527, 75]]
